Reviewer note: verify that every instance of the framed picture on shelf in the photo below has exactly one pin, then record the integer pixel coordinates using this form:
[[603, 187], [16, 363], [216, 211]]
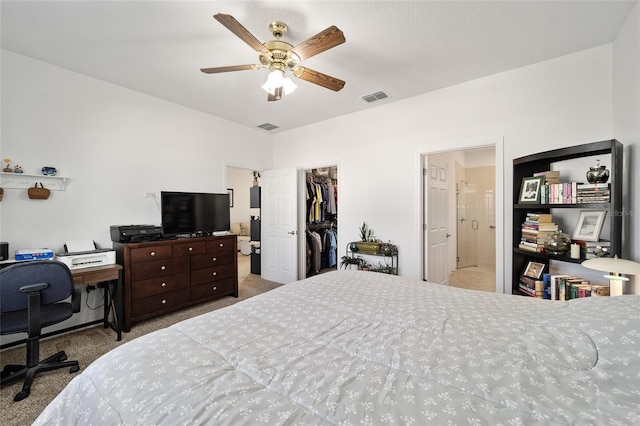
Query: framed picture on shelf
[[534, 270], [530, 190], [589, 225], [230, 192]]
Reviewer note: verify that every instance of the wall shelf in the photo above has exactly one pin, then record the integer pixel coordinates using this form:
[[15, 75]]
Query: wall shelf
[[24, 181]]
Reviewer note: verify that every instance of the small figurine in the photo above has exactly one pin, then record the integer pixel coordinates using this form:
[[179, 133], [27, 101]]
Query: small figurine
[[7, 168], [18, 169]]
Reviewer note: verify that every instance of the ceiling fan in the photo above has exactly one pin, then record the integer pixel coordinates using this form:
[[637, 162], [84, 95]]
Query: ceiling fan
[[279, 57]]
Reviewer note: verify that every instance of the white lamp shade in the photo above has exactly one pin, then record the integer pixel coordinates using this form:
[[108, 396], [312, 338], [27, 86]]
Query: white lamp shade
[[608, 264]]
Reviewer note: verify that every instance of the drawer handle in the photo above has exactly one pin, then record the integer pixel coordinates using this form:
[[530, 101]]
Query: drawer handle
[[214, 259], [214, 274], [153, 253], [221, 245], [190, 248], [162, 268], [215, 288], [164, 301], [163, 284]]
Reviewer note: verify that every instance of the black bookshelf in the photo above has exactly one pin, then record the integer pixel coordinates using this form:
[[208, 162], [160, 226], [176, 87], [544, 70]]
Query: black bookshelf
[[526, 166]]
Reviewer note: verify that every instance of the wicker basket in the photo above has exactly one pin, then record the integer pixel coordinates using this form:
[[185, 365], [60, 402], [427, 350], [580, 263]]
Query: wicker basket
[[38, 193], [368, 248], [1, 193]]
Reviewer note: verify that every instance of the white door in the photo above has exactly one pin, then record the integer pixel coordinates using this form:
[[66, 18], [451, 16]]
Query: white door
[[279, 226], [436, 229]]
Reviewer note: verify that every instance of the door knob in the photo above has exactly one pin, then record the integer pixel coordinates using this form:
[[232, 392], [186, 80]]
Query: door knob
[[291, 232], [448, 235]]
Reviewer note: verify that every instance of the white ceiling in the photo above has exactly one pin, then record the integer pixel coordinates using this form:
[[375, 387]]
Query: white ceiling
[[404, 48]]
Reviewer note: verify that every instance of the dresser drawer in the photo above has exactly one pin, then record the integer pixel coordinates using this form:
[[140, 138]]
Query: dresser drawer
[[186, 249], [150, 253], [159, 285], [153, 304], [201, 276], [159, 268], [221, 244], [212, 259], [212, 290]]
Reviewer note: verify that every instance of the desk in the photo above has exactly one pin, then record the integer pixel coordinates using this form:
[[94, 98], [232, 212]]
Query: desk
[[111, 274], [104, 274]]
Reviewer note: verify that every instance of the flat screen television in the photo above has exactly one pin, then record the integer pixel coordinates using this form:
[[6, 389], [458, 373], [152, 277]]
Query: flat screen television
[[194, 213]]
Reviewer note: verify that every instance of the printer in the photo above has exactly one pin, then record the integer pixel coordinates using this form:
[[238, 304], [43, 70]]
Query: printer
[[84, 254], [135, 233], [87, 259]]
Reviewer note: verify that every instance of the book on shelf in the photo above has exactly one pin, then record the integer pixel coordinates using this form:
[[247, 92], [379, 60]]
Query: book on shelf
[[565, 287], [599, 290], [531, 287], [536, 217], [535, 229], [559, 193], [550, 176], [593, 193], [594, 186]]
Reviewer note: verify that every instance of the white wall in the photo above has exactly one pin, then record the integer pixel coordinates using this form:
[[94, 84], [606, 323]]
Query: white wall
[[114, 144], [562, 102], [626, 125]]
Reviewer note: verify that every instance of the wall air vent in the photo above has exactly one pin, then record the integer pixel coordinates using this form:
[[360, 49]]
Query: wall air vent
[[372, 97], [268, 126]]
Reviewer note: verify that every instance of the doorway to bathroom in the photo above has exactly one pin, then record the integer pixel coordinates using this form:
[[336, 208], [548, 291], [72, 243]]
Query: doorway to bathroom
[[461, 234]]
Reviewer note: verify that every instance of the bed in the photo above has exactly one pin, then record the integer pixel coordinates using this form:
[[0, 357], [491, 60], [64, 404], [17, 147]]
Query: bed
[[353, 347]]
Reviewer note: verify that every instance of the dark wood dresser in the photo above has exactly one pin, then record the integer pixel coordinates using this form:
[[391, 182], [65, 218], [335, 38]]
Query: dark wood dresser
[[164, 276]]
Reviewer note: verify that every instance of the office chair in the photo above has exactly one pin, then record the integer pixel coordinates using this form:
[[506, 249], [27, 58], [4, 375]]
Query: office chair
[[32, 296]]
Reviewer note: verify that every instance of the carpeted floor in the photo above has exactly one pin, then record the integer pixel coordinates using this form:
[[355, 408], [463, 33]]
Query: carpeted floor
[[88, 344]]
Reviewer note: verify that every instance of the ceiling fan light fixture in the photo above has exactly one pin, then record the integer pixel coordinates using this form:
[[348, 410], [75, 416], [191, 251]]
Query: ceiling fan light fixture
[[288, 86], [277, 80]]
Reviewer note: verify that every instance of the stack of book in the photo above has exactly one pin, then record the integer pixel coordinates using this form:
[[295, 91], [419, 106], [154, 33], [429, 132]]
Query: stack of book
[[550, 176], [566, 287], [531, 287], [535, 228], [593, 193]]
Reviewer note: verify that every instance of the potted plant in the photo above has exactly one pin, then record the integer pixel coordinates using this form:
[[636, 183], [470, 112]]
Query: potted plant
[[256, 175], [347, 261], [368, 244]]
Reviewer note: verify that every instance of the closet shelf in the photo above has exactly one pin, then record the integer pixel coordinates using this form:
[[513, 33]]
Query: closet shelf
[[24, 180]]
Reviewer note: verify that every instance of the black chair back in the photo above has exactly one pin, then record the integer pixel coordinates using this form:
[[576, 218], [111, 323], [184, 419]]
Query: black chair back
[[52, 272]]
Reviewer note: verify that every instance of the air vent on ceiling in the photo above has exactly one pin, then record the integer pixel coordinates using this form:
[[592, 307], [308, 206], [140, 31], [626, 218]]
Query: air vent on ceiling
[[372, 97], [268, 126]]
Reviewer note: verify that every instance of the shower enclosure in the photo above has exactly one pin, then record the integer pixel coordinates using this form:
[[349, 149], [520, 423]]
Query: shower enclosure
[[467, 224]]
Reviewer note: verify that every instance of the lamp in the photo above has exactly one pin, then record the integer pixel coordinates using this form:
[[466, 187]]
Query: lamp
[[614, 266], [278, 83]]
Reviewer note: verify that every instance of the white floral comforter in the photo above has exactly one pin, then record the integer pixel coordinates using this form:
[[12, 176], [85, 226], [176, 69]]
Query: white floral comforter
[[354, 348]]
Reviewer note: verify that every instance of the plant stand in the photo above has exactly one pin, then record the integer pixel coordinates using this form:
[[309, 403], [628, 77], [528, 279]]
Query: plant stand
[[387, 256]]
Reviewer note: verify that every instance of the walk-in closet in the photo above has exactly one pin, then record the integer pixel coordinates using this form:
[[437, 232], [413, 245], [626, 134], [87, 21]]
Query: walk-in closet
[[321, 220]]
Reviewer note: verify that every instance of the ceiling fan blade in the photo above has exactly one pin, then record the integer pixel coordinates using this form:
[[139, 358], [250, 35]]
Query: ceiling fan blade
[[324, 40], [319, 78], [240, 31], [230, 68]]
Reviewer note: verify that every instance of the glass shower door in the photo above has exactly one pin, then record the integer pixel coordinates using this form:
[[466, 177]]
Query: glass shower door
[[467, 224]]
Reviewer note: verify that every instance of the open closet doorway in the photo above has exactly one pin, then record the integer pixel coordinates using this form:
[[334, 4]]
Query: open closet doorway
[[320, 219], [460, 209]]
